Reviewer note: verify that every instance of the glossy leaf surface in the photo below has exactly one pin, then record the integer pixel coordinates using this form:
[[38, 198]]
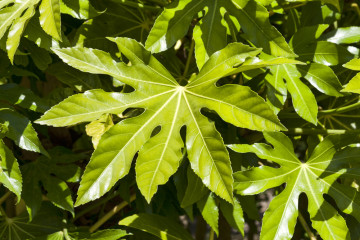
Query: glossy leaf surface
[[315, 177], [163, 99], [210, 33]]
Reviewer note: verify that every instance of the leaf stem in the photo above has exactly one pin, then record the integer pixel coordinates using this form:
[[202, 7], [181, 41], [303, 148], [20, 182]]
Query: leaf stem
[[325, 112], [212, 234], [188, 61], [110, 214], [314, 131], [4, 197], [341, 109], [3, 213], [306, 227]]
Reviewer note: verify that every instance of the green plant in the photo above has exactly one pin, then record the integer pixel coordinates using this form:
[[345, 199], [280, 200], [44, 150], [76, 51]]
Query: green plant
[[148, 110]]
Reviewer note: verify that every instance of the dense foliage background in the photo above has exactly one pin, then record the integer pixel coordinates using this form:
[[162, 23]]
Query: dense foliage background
[[187, 119]]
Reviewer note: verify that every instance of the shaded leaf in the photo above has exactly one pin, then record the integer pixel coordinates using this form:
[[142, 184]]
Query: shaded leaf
[[210, 33], [156, 225], [10, 174], [322, 77], [210, 211], [17, 95], [346, 35], [21, 131], [326, 53]]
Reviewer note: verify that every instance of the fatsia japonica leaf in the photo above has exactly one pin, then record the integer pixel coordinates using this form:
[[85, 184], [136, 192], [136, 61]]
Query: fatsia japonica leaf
[[345, 35], [21, 131], [332, 2], [52, 174], [23, 97], [50, 18], [81, 9], [209, 209], [318, 73], [159, 226], [354, 84], [166, 105], [48, 221], [315, 177], [210, 33], [15, 14], [303, 99], [10, 174]]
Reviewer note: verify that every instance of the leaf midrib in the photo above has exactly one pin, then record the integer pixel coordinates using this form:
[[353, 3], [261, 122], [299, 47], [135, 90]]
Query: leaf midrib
[[108, 109], [205, 145], [105, 70], [316, 202], [287, 202], [225, 103], [299, 93], [166, 143], [130, 140]]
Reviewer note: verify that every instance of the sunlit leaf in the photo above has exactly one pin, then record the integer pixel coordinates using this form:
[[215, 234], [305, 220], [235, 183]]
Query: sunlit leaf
[[168, 106]]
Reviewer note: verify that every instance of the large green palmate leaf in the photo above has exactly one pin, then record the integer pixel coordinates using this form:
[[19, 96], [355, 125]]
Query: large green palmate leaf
[[210, 32], [315, 177], [166, 105]]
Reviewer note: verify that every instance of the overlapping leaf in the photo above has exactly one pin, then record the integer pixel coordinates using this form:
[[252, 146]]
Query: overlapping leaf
[[354, 84], [48, 221], [10, 174], [318, 73], [166, 105], [156, 225], [53, 174], [14, 16], [210, 33], [315, 177]]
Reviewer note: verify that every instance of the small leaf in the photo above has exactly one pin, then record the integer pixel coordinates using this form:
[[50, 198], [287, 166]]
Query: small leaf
[[81, 9], [195, 189], [23, 97], [210, 211], [15, 32], [50, 18], [326, 53], [233, 215], [354, 64], [97, 128], [21, 131], [345, 35], [10, 174], [322, 77], [354, 85], [156, 225]]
